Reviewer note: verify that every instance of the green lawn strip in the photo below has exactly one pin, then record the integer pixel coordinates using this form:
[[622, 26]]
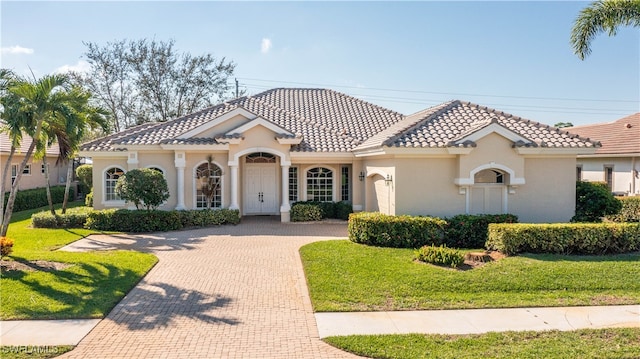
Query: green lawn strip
[[89, 288], [587, 343], [33, 351], [344, 276]]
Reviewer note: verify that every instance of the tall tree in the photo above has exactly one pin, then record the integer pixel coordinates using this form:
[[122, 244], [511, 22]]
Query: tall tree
[[38, 100], [602, 16], [148, 80]]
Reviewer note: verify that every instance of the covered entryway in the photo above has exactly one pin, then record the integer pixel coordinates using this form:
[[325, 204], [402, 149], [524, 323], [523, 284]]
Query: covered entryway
[[260, 195], [378, 196], [489, 193]]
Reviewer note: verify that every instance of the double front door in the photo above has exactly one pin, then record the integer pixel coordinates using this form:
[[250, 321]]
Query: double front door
[[260, 189]]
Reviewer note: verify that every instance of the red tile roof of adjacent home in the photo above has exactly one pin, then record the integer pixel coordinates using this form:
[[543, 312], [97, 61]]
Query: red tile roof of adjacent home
[[621, 137], [330, 121], [5, 145]]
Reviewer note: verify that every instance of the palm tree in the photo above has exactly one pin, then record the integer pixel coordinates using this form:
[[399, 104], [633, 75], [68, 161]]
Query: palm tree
[[601, 16], [37, 101]]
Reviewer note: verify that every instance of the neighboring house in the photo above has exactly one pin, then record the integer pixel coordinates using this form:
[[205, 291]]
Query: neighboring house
[[617, 162], [33, 174], [286, 145]]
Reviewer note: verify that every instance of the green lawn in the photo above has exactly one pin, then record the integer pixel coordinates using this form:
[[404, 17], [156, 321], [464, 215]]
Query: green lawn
[[89, 288], [615, 343], [33, 351], [344, 276]]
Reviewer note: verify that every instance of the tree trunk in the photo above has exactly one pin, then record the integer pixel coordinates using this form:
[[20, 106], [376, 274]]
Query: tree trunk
[[3, 180], [48, 185], [67, 186], [14, 188]]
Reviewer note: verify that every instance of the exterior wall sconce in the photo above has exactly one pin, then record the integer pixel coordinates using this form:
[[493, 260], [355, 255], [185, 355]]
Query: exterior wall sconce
[[361, 176], [388, 180]]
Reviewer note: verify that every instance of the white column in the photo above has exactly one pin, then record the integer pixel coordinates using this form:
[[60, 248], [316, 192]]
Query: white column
[[234, 187], [180, 163], [285, 208]]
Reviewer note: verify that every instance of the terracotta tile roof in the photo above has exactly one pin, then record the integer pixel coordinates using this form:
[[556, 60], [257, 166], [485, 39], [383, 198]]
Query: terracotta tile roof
[[5, 145], [447, 124], [618, 137], [327, 121]]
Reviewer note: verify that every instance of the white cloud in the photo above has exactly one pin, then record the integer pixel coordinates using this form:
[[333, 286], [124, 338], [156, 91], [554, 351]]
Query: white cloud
[[81, 66], [265, 46], [16, 50]]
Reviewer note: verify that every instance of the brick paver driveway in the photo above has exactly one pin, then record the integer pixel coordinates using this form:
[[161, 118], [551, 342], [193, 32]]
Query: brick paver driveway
[[222, 292]]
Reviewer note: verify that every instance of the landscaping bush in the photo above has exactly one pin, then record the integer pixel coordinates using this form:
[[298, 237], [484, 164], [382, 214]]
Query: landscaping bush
[[125, 220], [594, 201], [337, 210], [88, 199], [383, 230], [304, 212], [84, 173], [74, 218], [37, 197], [565, 238], [440, 255], [143, 187], [470, 230], [6, 246], [630, 211], [208, 217]]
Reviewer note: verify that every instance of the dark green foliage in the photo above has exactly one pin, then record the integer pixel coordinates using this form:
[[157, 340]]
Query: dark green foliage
[[470, 231], [37, 197], [630, 211], [85, 174], [158, 221], [305, 212], [143, 187], [440, 255], [383, 230], [564, 238], [594, 201], [337, 210], [207, 217], [74, 218]]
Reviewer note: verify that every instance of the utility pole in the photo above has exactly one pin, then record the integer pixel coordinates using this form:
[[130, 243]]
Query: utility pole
[[237, 91]]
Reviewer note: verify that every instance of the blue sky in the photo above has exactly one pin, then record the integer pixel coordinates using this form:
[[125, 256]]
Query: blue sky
[[406, 56]]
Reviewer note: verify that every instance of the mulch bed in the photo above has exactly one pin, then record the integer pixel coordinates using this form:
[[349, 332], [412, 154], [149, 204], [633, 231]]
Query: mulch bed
[[32, 266]]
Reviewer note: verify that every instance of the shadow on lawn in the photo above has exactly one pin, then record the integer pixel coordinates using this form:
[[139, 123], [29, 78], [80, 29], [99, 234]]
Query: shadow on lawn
[[89, 290], [624, 257], [135, 242]]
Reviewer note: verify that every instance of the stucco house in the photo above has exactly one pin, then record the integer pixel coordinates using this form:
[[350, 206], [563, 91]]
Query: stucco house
[[291, 144], [33, 173], [617, 162]]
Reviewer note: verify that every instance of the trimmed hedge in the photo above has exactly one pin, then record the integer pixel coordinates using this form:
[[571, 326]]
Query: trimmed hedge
[[125, 220], [630, 211], [383, 230], [337, 210], [37, 197], [470, 231], [565, 238], [74, 218], [440, 255]]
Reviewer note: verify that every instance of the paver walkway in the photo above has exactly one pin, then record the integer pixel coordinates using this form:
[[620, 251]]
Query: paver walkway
[[222, 292]]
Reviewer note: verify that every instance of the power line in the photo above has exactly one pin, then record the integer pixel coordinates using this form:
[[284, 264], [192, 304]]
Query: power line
[[436, 93]]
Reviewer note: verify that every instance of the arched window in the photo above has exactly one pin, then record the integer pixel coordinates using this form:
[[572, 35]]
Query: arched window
[[260, 157], [208, 186], [489, 176], [111, 177], [320, 184]]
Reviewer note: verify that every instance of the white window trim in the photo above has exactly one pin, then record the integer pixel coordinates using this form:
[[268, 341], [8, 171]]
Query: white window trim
[[335, 185], [110, 203], [195, 189]]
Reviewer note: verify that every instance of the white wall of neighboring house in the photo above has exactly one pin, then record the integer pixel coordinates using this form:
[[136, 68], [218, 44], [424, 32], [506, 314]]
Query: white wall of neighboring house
[[626, 178]]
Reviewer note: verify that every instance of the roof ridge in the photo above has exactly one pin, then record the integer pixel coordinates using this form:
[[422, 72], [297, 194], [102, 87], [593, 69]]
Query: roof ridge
[[363, 101]]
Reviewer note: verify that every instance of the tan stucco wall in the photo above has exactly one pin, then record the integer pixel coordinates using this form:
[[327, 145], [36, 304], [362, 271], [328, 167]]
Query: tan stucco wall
[[100, 166], [57, 175], [549, 192], [492, 148], [376, 169], [623, 175]]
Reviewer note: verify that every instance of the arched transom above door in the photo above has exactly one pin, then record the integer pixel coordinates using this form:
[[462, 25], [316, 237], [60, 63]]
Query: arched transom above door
[[260, 157]]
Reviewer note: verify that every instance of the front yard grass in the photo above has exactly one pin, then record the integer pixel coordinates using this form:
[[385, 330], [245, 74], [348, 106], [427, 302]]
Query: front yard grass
[[344, 276], [91, 285], [588, 343]]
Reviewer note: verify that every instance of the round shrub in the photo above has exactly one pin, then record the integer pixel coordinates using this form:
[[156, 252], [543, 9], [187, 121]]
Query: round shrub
[[143, 187], [594, 201]]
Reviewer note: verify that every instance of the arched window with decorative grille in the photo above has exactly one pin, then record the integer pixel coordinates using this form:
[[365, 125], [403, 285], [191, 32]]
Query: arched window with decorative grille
[[208, 186], [320, 184]]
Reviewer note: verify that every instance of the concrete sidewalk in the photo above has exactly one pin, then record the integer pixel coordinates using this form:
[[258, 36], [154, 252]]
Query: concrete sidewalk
[[466, 321]]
